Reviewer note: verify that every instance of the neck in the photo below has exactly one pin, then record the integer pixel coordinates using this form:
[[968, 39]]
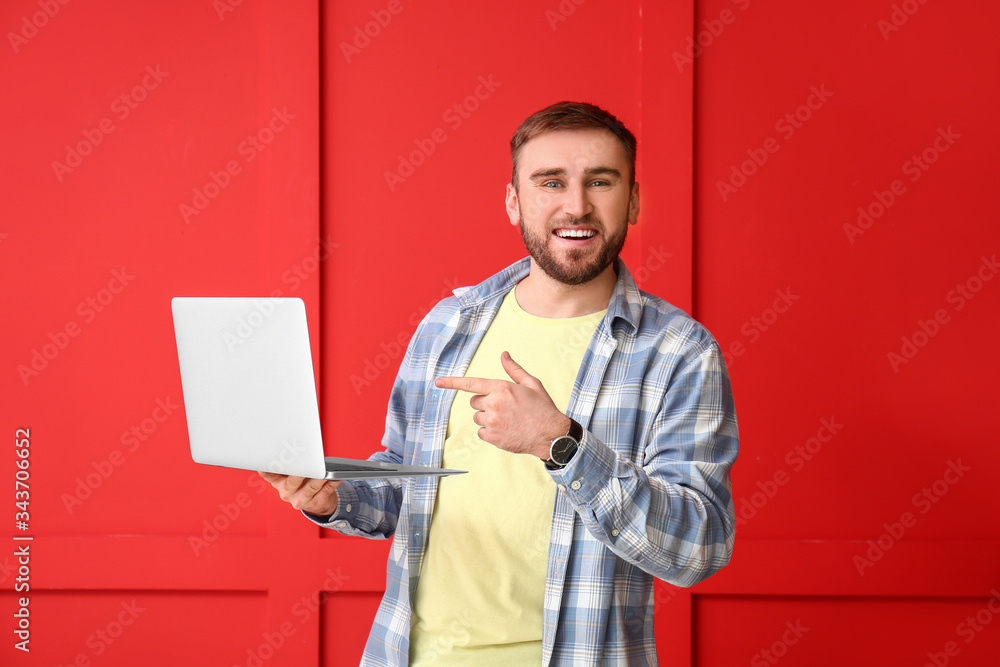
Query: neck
[[541, 295]]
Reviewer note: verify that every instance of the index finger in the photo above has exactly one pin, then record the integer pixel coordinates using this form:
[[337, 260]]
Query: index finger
[[471, 385]]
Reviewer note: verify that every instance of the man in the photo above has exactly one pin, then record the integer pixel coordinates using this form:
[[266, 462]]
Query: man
[[596, 422]]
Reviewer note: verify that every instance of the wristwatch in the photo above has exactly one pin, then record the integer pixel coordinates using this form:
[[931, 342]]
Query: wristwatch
[[563, 448]]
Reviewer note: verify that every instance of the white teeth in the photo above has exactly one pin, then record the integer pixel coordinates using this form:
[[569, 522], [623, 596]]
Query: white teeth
[[575, 233]]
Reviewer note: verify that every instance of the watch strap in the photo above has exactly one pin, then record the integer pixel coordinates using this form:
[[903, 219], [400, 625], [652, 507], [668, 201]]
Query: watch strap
[[576, 433], [575, 430]]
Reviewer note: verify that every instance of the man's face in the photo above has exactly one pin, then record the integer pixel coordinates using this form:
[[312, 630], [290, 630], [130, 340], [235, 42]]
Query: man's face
[[573, 202]]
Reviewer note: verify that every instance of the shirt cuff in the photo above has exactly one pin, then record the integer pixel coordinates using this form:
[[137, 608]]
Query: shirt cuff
[[347, 509], [589, 471]]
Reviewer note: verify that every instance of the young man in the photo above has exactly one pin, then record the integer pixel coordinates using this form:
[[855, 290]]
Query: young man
[[596, 422]]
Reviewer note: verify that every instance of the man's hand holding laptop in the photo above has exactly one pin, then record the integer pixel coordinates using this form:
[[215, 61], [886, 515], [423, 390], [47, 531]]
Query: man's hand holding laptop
[[316, 496]]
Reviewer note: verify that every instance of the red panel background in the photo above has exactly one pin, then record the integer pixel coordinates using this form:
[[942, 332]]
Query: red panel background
[[370, 259], [116, 506], [863, 528]]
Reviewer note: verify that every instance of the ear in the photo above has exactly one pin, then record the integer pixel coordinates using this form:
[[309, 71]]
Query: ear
[[512, 208], [633, 205]]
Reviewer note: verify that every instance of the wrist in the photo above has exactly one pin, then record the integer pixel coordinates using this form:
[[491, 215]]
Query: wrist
[[560, 429], [564, 448]]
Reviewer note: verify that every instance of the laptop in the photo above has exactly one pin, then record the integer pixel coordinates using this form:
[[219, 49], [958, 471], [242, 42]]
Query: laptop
[[249, 391]]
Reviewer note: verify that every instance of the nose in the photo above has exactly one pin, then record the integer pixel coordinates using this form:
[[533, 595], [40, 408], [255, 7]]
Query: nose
[[577, 202]]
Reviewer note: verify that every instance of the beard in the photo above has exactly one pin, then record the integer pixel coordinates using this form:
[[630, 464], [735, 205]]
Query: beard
[[581, 265]]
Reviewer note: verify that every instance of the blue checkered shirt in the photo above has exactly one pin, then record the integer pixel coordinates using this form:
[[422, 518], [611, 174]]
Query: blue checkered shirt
[[648, 493]]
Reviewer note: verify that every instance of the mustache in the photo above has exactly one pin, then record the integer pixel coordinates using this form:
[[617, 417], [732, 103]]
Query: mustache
[[589, 220]]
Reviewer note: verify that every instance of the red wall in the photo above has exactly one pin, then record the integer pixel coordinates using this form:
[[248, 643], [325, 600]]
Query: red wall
[[878, 534], [867, 531]]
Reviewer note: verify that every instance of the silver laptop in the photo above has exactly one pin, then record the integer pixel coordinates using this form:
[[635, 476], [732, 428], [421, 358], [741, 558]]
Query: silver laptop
[[249, 392]]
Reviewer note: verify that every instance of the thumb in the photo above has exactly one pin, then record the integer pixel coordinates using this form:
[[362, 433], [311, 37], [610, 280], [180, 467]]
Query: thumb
[[515, 371]]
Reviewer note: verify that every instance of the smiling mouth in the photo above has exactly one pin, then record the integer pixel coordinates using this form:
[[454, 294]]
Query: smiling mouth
[[575, 233]]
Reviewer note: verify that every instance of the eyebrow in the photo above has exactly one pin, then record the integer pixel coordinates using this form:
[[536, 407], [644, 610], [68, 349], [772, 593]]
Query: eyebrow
[[559, 171]]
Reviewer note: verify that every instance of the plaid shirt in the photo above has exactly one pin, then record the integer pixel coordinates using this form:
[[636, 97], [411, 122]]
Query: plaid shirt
[[648, 493]]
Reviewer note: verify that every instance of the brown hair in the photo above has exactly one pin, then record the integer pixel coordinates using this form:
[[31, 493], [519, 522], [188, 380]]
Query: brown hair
[[571, 116]]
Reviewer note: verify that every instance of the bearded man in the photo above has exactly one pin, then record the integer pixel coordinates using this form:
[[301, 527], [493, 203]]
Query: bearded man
[[596, 422]]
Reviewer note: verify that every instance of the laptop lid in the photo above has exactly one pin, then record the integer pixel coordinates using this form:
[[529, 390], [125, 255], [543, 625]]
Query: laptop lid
[[248, 385], [250, 394]]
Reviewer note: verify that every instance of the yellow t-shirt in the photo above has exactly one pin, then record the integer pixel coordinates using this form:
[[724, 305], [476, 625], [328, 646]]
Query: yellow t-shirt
[[480, 596]]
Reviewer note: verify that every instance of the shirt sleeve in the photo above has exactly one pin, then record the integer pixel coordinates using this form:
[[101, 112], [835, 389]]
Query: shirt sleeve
[[365, 508], [370, 508], [668, 509]]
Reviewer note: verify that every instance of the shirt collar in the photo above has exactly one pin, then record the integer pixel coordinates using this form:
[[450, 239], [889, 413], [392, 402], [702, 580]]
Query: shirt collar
[[625, 304]]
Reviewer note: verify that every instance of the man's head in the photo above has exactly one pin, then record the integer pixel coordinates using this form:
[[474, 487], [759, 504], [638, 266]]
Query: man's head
[[573, 192], [570, 116]]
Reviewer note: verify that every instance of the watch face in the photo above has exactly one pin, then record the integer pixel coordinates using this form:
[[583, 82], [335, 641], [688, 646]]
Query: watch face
[[563, 449]]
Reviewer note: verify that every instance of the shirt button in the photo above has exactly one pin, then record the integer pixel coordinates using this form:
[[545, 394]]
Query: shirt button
[[614, 532], [576, 485], [348, 508]]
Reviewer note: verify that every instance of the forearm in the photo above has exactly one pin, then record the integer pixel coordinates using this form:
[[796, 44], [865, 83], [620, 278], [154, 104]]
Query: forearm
[[671, 518], [364, 509]]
